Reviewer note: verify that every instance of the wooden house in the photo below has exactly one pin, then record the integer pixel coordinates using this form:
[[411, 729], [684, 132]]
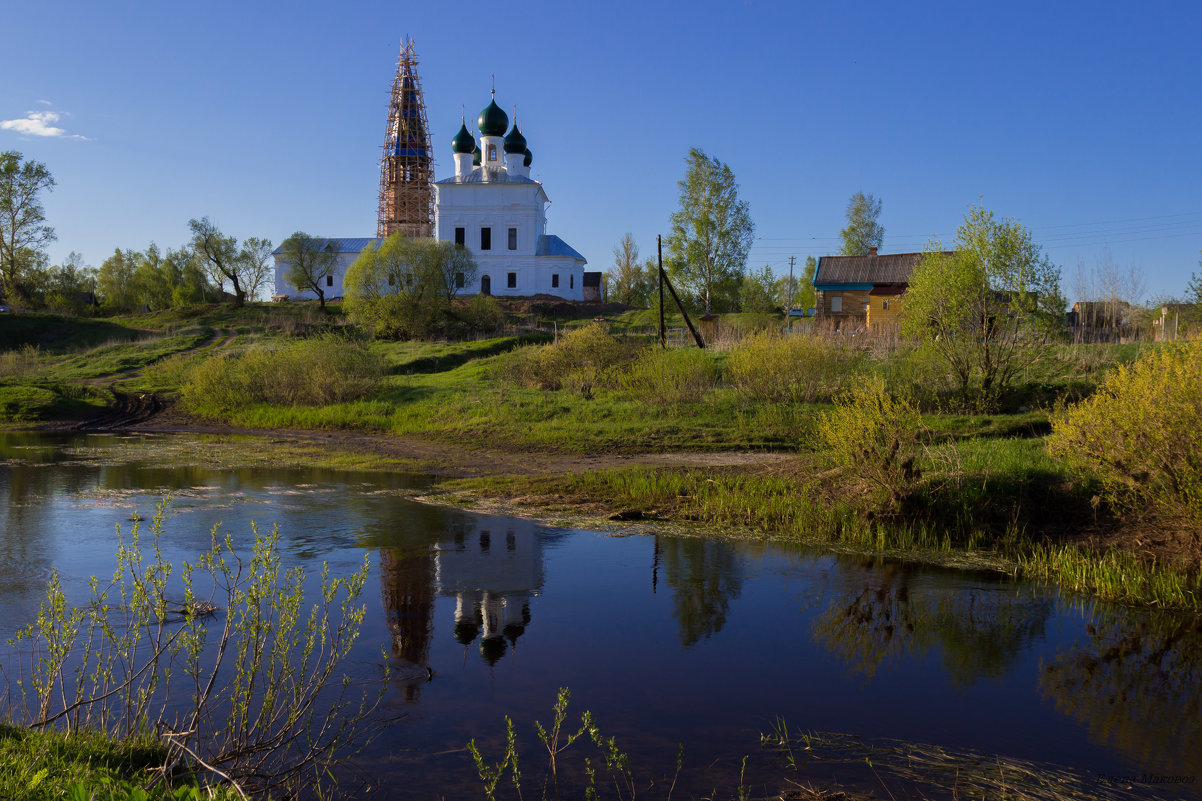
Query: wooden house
[[863, 291]]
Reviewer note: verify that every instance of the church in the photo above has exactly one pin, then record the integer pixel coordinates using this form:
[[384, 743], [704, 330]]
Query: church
[[491, 205]]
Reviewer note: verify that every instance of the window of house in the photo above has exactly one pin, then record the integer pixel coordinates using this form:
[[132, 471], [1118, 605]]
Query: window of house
[[486, 239], [492, 152], [329, 280], [837, 304], [512, 280], [555, 280], [460, 236], [884, 305], [459, 281], [513, 239]]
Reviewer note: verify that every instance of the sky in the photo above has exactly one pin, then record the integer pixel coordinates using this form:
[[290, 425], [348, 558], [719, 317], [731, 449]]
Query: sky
[[1081, 120]]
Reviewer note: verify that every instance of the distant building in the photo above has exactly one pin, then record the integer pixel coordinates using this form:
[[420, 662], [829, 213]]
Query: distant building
[[490, 205], [863, 291]]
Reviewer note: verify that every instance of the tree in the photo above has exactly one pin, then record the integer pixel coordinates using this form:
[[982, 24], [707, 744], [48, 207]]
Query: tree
[[246, 269], [404, 287], [863, 230], [799, 294], [310, 259], [115, 282], [631, 283], [758, 293], [712, 230], [987, 308], [23, 233]]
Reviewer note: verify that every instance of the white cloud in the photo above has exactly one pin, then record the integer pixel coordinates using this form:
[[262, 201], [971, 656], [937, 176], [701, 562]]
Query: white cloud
[[40, 123], [45, 102]]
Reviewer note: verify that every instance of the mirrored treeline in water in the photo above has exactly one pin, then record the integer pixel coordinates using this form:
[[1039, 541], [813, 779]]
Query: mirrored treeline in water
[[665, 639]]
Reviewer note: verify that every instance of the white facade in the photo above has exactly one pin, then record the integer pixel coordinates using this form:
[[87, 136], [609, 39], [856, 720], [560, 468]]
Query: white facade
[[499, 216]]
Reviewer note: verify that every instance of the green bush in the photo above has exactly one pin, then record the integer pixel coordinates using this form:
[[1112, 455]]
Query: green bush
[[579, 361], [314, 372], [668, 377], [794, 369], [1140, 434], [483, 314], [874, 435]]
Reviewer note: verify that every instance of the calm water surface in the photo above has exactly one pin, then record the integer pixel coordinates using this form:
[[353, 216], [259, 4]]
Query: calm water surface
[[666, 640]]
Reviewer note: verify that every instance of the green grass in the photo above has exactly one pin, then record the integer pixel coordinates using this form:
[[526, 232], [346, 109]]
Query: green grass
[[38, 765]]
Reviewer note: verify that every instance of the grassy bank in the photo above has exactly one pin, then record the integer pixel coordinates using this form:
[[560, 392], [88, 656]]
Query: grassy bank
[[975, 487]]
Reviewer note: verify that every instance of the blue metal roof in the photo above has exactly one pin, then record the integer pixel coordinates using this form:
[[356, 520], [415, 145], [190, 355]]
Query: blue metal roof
[[476, 176], [551, 245], [345, 244]]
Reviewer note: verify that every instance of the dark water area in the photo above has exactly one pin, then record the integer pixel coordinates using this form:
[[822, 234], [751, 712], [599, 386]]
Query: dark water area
[[666, 640]]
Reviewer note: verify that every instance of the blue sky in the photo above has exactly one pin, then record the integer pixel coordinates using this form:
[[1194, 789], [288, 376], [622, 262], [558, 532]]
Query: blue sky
[[1081, 120]]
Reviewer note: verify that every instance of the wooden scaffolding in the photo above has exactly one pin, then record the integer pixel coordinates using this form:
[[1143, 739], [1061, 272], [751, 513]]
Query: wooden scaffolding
[[407, 164]]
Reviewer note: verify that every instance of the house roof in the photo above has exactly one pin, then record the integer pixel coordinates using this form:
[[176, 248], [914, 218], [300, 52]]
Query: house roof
[[551, 245], [887, 268], [343, 244]]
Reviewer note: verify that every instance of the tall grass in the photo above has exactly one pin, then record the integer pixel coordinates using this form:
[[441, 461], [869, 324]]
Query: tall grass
[[669, 377], [794, 369], [20, 363], [324, 370]]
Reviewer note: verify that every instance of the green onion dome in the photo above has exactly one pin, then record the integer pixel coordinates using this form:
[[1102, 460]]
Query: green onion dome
[[514, 141], [463, 142], [476, 156], [529, 158], [492, 121]]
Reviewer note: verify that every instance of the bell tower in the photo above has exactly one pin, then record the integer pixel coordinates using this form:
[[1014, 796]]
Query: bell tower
[[407, 163]]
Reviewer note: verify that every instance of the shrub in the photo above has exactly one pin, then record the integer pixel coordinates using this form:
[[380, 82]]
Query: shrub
[[874, 435], [318, 371], [578, 361], [1140, 434], [800, 368], [669, 377], [483, 314]]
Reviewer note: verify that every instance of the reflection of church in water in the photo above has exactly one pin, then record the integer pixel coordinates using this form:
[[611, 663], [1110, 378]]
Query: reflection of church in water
[[491, 567]]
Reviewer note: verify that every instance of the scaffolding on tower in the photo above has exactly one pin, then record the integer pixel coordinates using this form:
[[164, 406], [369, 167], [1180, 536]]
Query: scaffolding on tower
[[407, 165]]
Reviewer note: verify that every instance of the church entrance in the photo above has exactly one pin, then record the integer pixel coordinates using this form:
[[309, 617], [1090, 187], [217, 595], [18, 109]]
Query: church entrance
[[486, 286]]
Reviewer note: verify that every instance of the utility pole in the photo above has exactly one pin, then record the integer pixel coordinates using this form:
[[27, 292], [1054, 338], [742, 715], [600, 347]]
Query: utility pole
[[659, 255], [792, 294]]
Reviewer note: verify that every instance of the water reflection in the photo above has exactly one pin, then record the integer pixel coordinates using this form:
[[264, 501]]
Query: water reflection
[[705, 576], [882, 611], [1134, 682], [491, 567]]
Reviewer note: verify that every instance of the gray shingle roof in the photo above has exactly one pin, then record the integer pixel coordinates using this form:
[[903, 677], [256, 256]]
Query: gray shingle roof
[[476, 176], [887, 268], [345, 244]]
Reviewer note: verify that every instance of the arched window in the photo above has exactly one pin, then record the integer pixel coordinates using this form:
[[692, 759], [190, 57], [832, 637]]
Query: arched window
[[492, 152]]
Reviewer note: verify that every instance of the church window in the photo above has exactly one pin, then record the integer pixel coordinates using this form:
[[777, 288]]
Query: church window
[[571, 282], [486, 239], [329, 280], [460, 236], [513, 239], [492, 152], [512, 281], [554, 280], [459, 280]]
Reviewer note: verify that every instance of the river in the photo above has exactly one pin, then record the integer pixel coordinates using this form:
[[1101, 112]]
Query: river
[[669, 641]]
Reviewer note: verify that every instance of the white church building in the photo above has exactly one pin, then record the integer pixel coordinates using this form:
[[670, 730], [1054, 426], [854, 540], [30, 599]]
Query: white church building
[[495, 209]]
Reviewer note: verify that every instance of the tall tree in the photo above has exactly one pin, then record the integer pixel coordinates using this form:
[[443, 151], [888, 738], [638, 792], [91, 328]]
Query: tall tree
[[246, 269], [986, 308], [310, 259], [23, 232], [115, 282], [712, 230], [863, 230], [631, 283], [757, 292]]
